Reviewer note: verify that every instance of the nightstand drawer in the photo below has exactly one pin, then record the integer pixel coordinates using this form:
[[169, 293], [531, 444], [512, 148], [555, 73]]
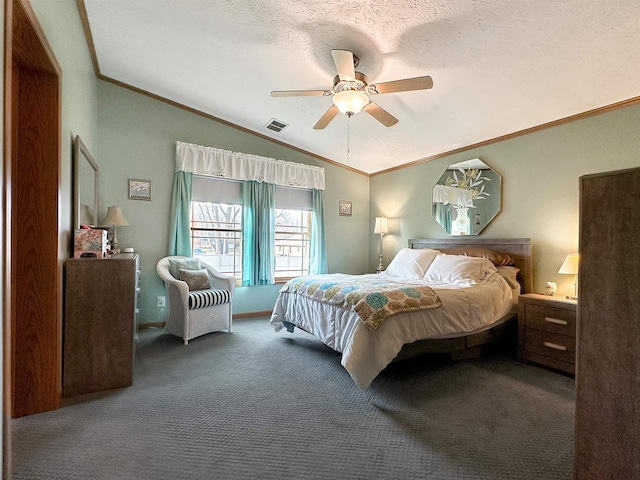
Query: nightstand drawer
[[560, 347], [550, 319]]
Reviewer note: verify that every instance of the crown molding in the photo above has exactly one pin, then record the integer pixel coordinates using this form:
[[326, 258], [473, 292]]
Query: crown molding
[[526, 131], [519, 133], [96, 66]]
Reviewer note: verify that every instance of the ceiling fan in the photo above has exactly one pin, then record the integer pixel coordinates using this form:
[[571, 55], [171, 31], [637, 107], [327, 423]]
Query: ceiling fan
[[351, 91]]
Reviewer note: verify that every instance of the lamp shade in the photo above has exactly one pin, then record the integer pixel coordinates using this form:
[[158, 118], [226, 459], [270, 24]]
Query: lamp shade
[[86, 217], [350, 101], [570, 264], [115, 217], [381, 226]]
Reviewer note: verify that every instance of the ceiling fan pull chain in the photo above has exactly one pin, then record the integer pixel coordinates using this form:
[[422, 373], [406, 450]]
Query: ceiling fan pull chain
[[348, 137]]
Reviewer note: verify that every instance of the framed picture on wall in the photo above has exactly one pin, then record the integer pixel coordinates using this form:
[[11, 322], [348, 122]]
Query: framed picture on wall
[[345, 208], [139, 189]]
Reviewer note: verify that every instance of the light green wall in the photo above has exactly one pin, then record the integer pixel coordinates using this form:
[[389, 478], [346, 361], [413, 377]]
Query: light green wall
[[61, 24], [540, 174], [133, 136], [137, 136]]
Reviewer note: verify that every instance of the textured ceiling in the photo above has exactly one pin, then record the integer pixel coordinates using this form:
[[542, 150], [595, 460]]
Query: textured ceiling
[[497, 66]]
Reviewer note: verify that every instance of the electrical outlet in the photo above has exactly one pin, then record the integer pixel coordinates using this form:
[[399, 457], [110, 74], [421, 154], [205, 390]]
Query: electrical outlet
[[160, 302]]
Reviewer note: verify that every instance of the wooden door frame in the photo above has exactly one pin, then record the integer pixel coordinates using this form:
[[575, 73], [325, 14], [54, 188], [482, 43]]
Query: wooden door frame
[[30, 63]]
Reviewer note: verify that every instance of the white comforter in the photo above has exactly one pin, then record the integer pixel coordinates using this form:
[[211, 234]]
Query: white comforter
[[365, 353]]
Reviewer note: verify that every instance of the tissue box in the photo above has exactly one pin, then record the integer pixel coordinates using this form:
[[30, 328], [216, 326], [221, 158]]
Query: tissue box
[[90, 243]]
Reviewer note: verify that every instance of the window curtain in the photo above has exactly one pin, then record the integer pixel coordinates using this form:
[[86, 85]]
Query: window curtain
[[317, 245], [442, 213], [180, 229], [258, 233], [259, 175]]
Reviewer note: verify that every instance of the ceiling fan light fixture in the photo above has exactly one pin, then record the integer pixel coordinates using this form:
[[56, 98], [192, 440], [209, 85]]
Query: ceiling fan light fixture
[[351, 91], [350, 102]]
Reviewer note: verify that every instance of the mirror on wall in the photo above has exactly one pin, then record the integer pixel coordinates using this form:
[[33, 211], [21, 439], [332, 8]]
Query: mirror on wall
[[467, 197], [85, 186]]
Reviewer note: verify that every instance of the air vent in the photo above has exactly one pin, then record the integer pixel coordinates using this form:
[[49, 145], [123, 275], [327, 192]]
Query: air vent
[[276, 125]]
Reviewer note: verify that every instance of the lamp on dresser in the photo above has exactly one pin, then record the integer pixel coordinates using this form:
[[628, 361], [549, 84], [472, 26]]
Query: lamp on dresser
[[381, 227], [86, 217], [570, 267], [115, 217]]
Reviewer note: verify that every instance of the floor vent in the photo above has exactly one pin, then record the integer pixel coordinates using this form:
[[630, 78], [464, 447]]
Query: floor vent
[[276, 125]]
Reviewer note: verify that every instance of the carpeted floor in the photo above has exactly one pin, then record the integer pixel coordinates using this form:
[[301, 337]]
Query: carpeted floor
[[254, 404]]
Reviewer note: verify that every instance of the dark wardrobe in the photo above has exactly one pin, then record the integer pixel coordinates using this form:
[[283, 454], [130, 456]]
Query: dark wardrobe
[[607, 428]]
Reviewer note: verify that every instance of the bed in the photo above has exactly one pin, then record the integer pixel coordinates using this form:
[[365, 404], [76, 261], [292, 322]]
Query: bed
[[465, 316]]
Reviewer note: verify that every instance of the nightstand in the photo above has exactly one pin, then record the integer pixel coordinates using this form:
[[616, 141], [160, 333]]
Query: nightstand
[[547, 331]]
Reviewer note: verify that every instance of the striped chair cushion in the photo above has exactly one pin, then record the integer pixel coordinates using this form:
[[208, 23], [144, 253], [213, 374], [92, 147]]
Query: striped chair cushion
[[207, 298]]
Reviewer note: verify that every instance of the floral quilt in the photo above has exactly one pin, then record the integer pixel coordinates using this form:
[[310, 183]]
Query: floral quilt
[[372, 297]]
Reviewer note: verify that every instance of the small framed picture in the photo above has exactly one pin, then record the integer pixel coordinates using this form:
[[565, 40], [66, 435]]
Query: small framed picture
[[139, 189], [345, 208]]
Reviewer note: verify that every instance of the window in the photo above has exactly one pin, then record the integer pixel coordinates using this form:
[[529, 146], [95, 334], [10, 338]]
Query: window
[[216, 227], [291, 243], [216, 236], [292, 232], [216, 224]]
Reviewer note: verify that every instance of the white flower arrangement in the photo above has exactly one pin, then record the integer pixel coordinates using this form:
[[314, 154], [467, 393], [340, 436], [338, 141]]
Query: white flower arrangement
[[472, 180]]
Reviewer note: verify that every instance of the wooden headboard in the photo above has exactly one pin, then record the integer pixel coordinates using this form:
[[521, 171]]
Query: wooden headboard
[[518, 248]]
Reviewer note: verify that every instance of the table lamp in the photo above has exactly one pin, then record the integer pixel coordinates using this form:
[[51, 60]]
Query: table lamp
[[86, 217], [381, 227], [570, 267], [116, 218]]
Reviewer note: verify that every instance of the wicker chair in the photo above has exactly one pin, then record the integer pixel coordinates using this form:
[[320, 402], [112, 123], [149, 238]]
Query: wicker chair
[[196, 313]]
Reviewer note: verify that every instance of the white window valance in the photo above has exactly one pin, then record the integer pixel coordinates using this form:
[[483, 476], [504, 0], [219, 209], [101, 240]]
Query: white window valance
[[459, 197], [215, 162]]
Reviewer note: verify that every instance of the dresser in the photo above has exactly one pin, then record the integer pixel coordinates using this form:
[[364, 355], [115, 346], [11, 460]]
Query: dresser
[[100, 322], [547, 331], [607, 433]]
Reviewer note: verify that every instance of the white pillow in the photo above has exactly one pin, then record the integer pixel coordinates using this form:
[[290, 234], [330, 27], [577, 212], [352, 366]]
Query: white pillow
[[459, 270], [175, 264], [411, 264]]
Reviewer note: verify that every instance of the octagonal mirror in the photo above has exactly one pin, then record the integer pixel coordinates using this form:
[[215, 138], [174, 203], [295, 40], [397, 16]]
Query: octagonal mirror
[[467, 197]]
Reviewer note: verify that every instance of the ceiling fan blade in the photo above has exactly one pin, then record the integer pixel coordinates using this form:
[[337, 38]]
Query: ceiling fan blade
[[301, 93], [326, 118], [408, 84], [344, 64], [380, 114]]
